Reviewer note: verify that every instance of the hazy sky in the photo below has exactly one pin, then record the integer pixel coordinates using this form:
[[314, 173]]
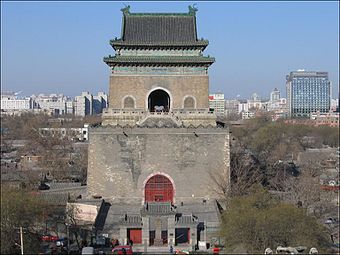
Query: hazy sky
[[58, 47]]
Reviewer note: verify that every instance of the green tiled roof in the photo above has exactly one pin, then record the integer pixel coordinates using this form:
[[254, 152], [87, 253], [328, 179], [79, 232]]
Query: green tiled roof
[[114, 60]]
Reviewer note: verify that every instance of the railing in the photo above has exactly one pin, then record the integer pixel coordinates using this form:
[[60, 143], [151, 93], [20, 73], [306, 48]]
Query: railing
[[158, 208], [144, 112], [131, 219]]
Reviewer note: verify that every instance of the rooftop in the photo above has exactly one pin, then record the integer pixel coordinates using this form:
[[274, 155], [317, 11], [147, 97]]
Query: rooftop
[[159, 29]]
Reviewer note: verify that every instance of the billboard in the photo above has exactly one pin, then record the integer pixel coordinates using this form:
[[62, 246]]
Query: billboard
[[83, 212]]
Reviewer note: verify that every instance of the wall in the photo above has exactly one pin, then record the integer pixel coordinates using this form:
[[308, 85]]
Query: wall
[[140, 86], [119, 164]]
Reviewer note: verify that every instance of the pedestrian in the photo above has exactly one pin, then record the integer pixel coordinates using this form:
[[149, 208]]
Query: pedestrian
[[171, 249]]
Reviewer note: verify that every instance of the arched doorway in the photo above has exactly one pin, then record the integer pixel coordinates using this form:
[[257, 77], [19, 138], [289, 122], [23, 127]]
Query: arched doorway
[[159, 101], [159, 189]]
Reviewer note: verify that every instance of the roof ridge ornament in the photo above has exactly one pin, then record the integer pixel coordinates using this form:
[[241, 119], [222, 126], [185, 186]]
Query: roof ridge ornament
[[126, 10], [192, 10]]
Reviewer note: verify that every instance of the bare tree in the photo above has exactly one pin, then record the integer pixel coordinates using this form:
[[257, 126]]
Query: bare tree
[[305, 191], [244, 173]]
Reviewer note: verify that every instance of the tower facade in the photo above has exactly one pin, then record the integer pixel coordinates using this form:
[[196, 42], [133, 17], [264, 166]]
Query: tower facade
[[159, 66], [156, 157]]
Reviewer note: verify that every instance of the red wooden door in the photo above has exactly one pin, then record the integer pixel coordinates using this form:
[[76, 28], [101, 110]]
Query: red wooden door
[[136, 236], [159, 189]]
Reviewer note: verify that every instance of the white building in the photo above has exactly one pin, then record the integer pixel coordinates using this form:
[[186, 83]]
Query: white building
[[81, 134], [217, 102], [52, 104], [69, 107], [10, 102], [248, 115], [13, 103], [274, 95], [231, 106], [255, 102], [243, 107], [334, 105]]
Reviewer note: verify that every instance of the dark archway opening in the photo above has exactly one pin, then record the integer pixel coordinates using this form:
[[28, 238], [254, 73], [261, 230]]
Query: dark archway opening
[[159, 101]]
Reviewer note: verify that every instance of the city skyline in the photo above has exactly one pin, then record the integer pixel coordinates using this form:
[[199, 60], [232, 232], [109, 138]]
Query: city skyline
[[64, 44]]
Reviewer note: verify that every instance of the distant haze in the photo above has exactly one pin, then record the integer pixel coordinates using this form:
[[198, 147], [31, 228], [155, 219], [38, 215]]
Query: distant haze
[[58, 47]]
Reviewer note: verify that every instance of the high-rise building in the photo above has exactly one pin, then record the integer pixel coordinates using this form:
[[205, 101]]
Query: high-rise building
[[83, 104], [217, 102], [99, 103], [274, 95], [307, 92], [87, 104]]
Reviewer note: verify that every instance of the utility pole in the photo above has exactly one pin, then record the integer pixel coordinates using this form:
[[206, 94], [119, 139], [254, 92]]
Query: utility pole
[[68, 238], [205, 231], [21, 242]]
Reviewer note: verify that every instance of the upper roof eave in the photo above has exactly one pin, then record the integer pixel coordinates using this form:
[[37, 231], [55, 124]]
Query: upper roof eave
[[118, 43], [158, 60]]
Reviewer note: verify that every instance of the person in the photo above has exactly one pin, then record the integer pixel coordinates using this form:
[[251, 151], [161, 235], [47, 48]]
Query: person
[[124, 251], [113, 242], [131, 242]]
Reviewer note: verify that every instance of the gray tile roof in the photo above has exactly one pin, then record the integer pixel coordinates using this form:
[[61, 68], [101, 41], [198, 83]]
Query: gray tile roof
[[189, 214], [158, 28], [62, 185]]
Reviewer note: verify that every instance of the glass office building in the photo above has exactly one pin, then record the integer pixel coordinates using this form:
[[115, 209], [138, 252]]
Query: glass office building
[[308, 92]]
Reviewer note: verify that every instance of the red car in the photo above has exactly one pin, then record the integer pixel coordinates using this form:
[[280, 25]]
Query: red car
[[49, 238], [122, 250]]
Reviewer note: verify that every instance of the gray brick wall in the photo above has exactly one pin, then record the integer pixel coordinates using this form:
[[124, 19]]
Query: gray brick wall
[[119, 164]]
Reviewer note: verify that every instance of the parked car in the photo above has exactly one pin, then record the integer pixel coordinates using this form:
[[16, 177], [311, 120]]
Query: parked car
[[44, 186], [87, 250], [122, 250], [331, 221], [49, 238]]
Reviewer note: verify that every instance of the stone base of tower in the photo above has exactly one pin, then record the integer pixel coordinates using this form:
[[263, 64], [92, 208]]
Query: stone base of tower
[[121, 161]]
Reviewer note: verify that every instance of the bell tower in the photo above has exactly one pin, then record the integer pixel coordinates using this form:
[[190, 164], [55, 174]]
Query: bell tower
[[153, 158]]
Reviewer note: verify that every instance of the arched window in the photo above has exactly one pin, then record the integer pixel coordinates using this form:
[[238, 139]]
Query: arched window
[[129, 102], [159, 101], [159, 189], [189, 102]]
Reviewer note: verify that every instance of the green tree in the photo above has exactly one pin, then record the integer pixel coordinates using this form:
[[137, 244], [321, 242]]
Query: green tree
[[258, 221], [21, 209]]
